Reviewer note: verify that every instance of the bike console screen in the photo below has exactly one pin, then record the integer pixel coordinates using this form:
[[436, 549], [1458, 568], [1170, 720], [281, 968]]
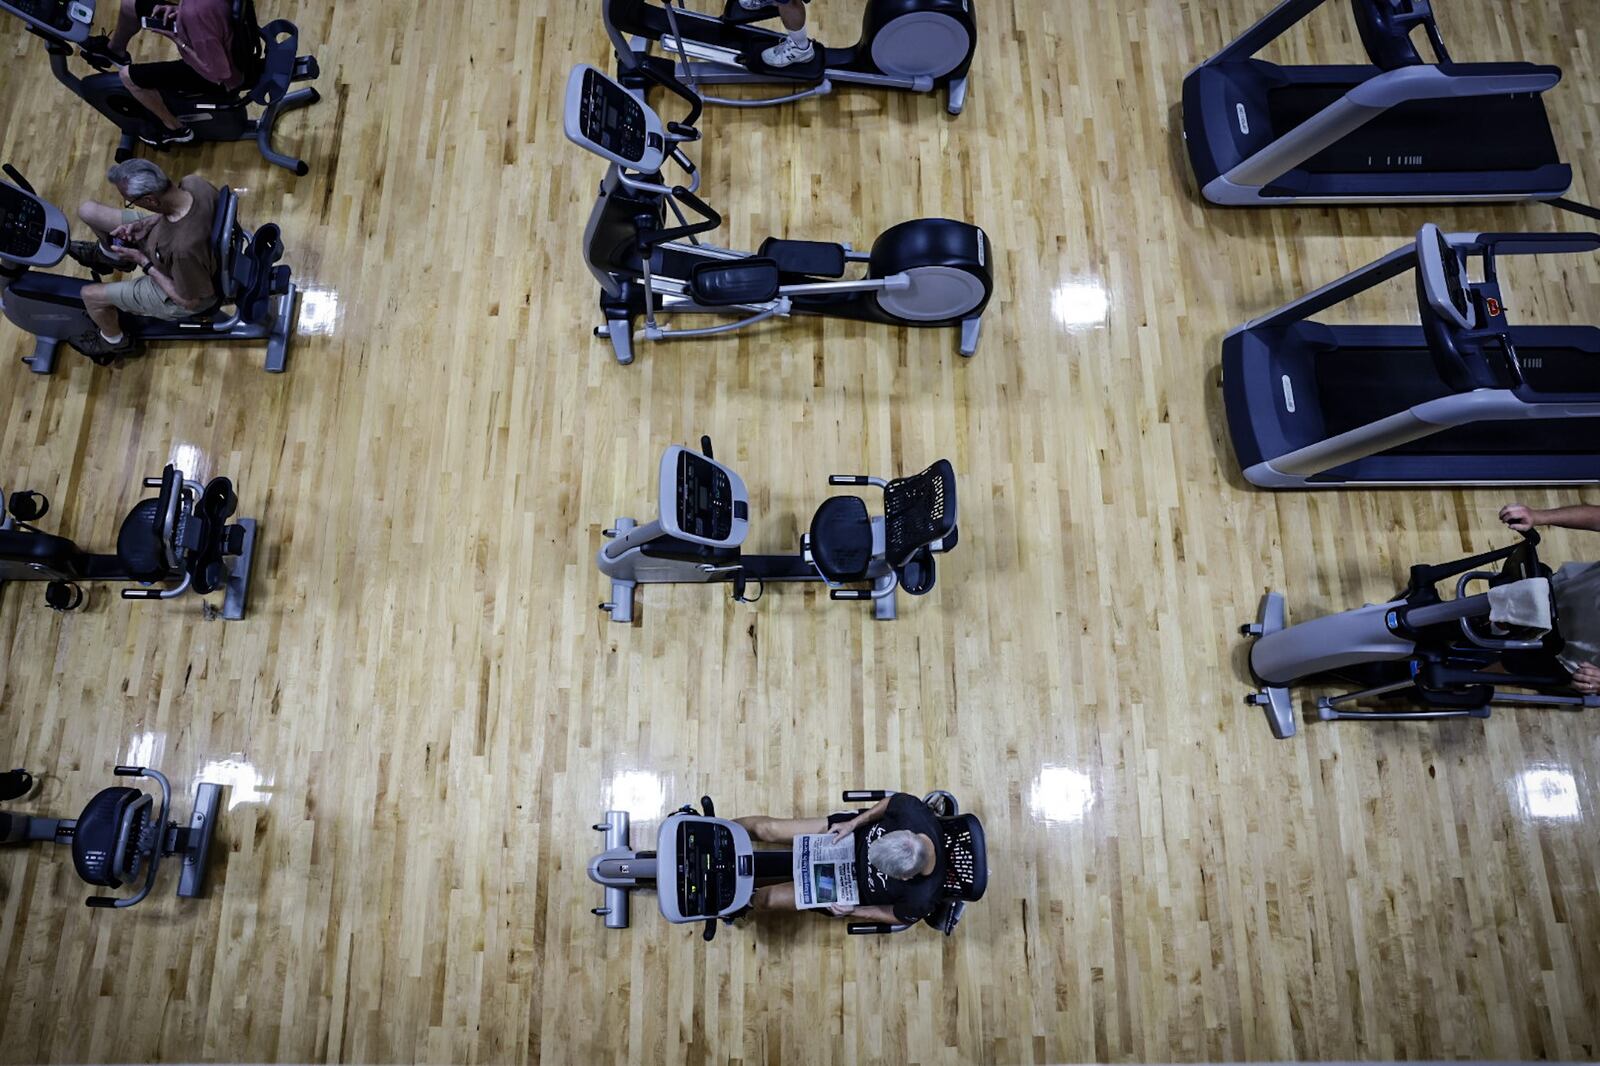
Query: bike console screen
[[707, 874], [705, 498], [22, 225], [69, 19]]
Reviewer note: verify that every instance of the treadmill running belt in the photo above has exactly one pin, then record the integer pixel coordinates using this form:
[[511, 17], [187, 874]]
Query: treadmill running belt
[[1344, 385], [1435, 136]]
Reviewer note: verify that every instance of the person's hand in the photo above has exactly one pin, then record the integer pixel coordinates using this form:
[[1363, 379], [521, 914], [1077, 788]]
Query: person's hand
[[1587, 679], [165, 13], [130, 255], [841, 830], [840, 910], [1518, 517]]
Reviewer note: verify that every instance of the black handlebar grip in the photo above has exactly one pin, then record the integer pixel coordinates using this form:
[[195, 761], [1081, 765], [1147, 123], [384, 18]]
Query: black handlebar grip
[[846, 479], [141, 594], [128, 771], [101, 901]]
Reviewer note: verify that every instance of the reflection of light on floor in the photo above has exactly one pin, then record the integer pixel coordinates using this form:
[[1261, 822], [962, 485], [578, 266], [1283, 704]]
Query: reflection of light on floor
[[245, 783], [1548, 794], [189, 459], [145, 750], [319, 312], [1061, 794], [1079, 305], [638, 792]]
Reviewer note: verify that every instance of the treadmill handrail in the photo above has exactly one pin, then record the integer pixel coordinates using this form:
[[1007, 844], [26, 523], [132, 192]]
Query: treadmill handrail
[[1365, 102]]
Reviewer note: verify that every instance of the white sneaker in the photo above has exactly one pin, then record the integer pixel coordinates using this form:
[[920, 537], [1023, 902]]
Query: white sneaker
[[755, 5], [786, 54]]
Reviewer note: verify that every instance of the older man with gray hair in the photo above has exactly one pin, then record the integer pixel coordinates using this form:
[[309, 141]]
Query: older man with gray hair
[[899, 859], [171, 244]]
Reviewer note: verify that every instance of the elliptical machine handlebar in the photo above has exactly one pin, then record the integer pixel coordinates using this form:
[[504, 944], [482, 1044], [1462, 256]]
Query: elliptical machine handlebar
[[1427, 576], [712, 220]]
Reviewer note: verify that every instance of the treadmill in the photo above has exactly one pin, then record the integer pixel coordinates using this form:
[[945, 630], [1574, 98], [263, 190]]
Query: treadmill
[[1464, 398], [1400, 130]]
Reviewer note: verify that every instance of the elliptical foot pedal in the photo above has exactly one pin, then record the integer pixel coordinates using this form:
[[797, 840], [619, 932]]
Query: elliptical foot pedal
[[820, 259], [810, 72]]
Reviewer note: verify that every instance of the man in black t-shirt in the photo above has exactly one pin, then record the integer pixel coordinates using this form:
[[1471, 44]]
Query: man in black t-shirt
[[899, 859]]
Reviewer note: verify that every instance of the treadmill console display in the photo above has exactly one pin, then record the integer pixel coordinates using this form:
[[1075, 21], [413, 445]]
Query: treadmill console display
[[706, 876], [705, 498], [22, 225], [69, 19]]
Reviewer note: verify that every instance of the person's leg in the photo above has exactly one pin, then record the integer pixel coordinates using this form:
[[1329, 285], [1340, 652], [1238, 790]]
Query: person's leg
[[781, 830], [151, 99], [102, 218], [774, 898], [103, 312], [793, 14], [127, 25]]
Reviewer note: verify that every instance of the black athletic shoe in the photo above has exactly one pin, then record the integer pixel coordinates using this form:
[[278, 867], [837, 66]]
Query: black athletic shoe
[[90, 255], [14, 784], [103, 353], [97, 52], [167, 137]]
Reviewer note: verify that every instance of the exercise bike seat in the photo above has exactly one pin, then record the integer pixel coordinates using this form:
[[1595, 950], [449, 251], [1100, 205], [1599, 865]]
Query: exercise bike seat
[[841, 539], [140, 544], [815, 258], [114, 822], [736, 281]]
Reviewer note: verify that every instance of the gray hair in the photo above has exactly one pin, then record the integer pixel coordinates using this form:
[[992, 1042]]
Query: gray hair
[[138, 178], [898, 854]]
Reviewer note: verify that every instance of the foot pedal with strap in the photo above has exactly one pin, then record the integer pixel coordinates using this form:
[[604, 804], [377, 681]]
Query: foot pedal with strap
[[734, 282], [818, 259]]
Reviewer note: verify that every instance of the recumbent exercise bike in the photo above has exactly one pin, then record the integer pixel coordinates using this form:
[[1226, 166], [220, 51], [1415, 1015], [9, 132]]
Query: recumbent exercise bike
[[706, 869], [180, 539], [121, 834], [266, 55], [250, 280], [704, 517]]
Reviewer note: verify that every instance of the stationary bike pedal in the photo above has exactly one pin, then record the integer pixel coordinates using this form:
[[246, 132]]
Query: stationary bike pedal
[[63, 596], [608, 608], [1251, 629], [28, 506]]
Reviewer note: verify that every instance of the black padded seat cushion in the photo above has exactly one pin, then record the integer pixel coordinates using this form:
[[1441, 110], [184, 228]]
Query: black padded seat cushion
[[841, 538], [139, 542], [736, 281], [94, 841], [815, 258]]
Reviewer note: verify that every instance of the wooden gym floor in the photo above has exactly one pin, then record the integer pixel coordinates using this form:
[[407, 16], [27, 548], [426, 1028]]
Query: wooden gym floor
[[425, 712]]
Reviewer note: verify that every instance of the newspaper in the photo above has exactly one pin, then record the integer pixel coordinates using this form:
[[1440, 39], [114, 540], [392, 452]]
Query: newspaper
[[825, 871]]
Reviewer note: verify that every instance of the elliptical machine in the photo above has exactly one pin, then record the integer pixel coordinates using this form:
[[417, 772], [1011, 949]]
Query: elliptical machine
[[250, 280], [705, 515], [712, 867], [1420, 657], [180, 539], [271, 68], [917, 46], [927, 273], [121, 834]]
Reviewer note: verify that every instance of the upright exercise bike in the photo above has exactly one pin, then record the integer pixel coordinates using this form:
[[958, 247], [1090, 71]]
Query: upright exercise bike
[[712, 867], [178, 541], [918, 46], [122, 835], [705, 515], [255, 292], [930, 272], [268, 54], [1419, 657]]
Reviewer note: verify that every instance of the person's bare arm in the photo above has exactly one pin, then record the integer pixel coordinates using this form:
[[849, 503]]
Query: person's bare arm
[[881, 914], [862, 820], [1581, 516]]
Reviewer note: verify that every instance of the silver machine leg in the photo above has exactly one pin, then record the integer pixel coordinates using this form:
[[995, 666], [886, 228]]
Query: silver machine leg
[[1276, 702], [956, 100], [884, 608], [971, 332], [236, 593], [43, 359], [621, 336], [202, 828], [615, 910], [620, 606], [282, 325]]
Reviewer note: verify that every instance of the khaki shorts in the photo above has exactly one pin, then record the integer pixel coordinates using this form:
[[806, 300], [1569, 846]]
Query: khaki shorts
[[142, 296]]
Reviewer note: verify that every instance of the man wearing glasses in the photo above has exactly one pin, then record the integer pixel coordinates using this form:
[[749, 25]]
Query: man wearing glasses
[[171, 245]]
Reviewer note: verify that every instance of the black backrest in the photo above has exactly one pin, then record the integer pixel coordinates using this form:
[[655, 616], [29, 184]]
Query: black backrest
[[279, 42], [919, 510], [966, 859], [244, 261]]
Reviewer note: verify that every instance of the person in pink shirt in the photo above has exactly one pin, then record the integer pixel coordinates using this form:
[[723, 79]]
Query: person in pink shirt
[[203, 32]]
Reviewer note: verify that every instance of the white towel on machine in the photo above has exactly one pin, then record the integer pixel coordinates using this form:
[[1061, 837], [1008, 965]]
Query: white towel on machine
[[1522, 605]]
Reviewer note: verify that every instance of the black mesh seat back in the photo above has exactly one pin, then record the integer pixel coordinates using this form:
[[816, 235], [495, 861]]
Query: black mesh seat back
[[919, 511], [966, 860], [252, 269], [95, 841], [841, 538], [281, 40]]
